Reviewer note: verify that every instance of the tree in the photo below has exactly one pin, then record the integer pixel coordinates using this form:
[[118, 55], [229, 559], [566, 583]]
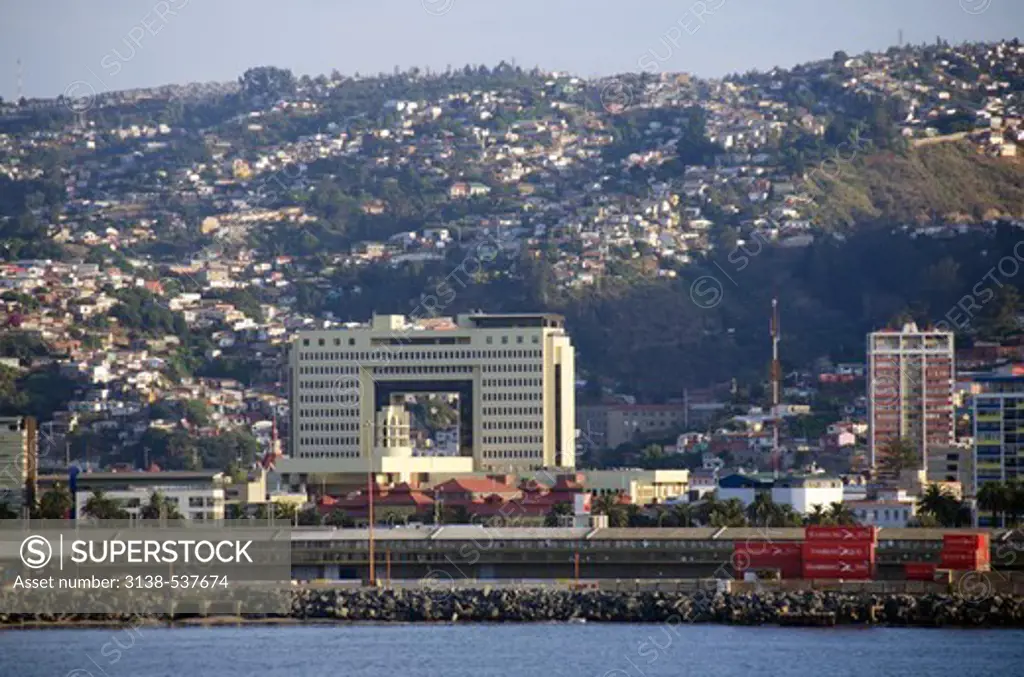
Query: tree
[[7, 513], [557, 512], [728, 513], [841, 514], [310, 517], [998, 499], [100, 507], [338, 518], [818, 515], [454, 514], [286, 512], [55, 504], [160, 507], [761, 511], [196, 412], [899, 455]]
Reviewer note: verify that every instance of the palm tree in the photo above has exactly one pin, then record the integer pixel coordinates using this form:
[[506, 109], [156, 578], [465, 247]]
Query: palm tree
[[338, 518], [762, 511], [683, 514], [787, 516], [310, 517], [1015, 499], [55, 504], [555, 515], [993, 497], [840, 513], [729, 514], [818, 515], [103, 508], [160, 507], [940, 504]]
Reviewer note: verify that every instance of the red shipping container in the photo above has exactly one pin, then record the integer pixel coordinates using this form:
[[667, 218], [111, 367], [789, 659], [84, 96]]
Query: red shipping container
[[966, 561], [920, 571], [768, 548], [965, 542], [768, 555], [853, 569], [847, 534], [838, 550]]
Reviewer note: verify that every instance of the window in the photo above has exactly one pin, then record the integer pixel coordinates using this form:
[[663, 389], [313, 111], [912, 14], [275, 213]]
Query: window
[[490, 340], [351, 341], [504, 340], [519, 339]]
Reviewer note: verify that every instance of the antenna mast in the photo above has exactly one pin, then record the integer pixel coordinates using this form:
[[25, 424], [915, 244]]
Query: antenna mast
[[776, 377]]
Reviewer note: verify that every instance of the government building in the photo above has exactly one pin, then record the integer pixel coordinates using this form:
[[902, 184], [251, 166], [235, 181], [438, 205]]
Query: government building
[[510, 378]]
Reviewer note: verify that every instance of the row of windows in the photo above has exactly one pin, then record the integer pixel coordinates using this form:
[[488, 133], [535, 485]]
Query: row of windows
[[514, 439], [337, 384], [329, 413], [506, 382], [321, 342], [512, 411], [510, 397], [488, 368], [516, 453], [328, 441], [512, 425], [329, 454], [327, 369], [327, 427], [344, 396], [425, 369], [388, 356]]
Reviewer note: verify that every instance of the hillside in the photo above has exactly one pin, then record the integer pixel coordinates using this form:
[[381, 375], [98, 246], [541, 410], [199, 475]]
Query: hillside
[[936, 183]]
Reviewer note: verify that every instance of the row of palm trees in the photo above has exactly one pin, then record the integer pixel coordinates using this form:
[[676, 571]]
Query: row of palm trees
[[1004, 500], [56, 504], [713, 512]]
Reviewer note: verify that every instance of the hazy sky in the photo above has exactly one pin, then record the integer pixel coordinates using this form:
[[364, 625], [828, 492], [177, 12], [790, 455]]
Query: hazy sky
[[120, 44]]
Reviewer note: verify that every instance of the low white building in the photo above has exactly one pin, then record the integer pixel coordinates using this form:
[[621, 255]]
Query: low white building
[[802, 492], [196, 495], [884, 513]]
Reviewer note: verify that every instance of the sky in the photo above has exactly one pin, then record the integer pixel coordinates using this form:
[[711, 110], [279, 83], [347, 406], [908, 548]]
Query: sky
[[79, 45]]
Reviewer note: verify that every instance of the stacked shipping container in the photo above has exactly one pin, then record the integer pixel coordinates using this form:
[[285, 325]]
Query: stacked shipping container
[[839, 552], [965, 552], [754, 555]]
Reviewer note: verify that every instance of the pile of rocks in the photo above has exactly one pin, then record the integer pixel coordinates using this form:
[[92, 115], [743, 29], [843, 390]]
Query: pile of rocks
[[526, 605], [538, 604]]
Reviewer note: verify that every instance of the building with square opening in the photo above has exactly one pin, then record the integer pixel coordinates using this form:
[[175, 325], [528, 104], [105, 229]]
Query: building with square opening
[[512, 377]]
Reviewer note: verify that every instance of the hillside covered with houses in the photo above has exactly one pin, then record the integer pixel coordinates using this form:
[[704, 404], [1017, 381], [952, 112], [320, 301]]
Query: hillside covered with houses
[[162, 246]]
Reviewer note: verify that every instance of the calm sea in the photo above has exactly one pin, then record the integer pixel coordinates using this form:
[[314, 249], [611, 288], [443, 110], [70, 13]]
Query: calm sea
[[553, 650]]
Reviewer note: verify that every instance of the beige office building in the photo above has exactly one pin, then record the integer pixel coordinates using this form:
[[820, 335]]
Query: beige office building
[[512, 376], [18, 459]]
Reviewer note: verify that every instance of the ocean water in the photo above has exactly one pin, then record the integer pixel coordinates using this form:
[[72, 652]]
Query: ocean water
[[549, 650]]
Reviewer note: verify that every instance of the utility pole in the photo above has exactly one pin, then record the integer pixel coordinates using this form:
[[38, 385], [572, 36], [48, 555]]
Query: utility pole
[[369, 487]]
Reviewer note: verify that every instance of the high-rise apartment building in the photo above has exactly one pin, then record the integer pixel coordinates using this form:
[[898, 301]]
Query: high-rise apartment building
[[999, 429], [511, 377], [910, 389]]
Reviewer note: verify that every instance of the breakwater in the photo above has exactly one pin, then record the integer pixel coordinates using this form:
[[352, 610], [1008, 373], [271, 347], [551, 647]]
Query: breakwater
[[810, 607]]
